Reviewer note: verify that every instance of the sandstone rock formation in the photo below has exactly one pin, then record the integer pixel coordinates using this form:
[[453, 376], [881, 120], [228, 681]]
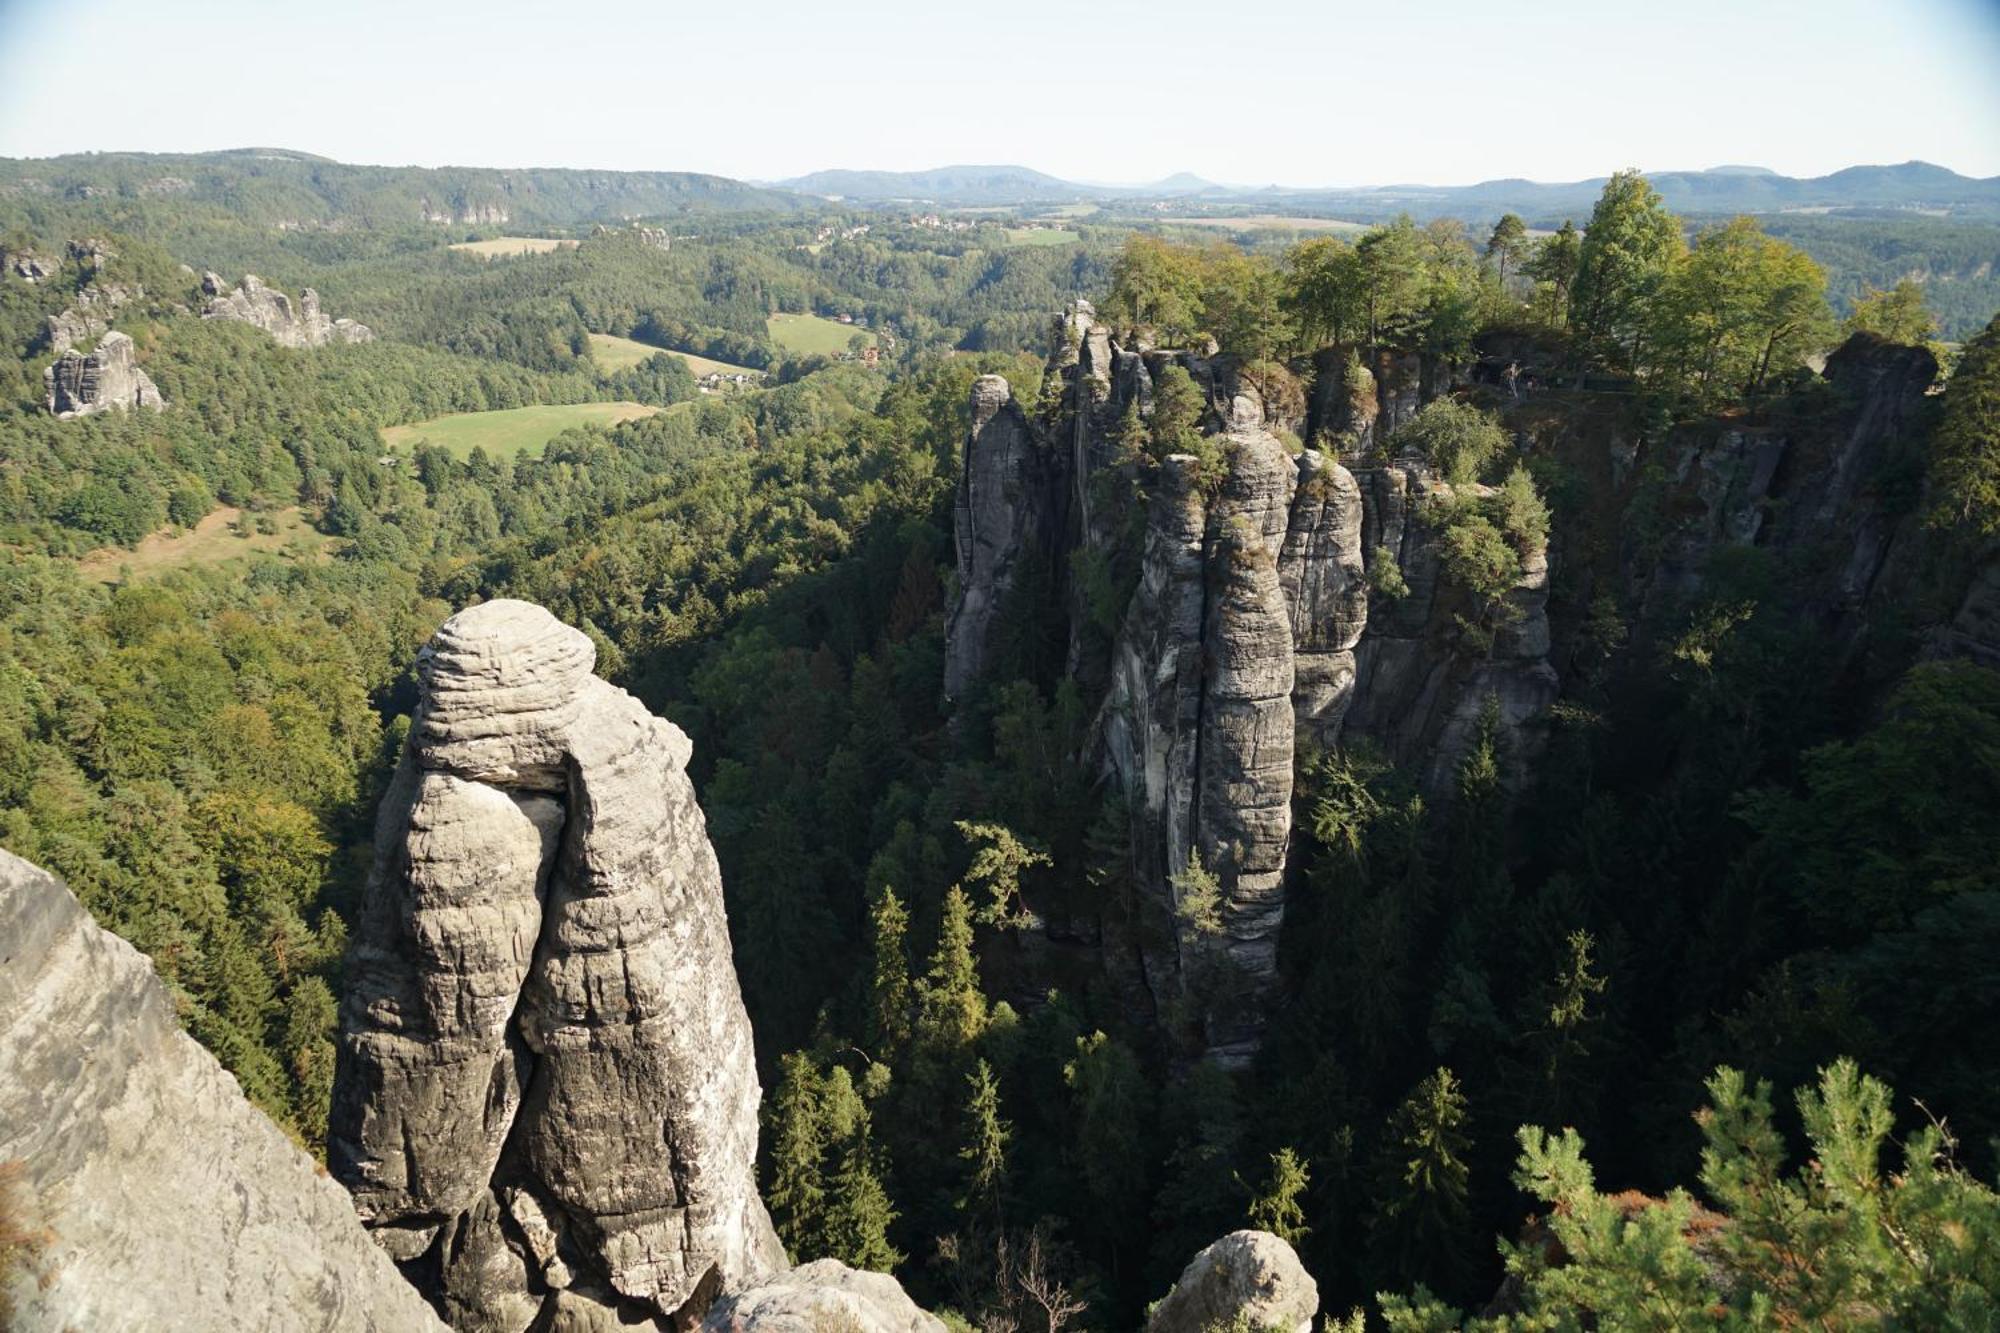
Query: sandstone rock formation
[[168, 1200], [272, 311], [1248, 1275], [109, 379], [89, 314], [28, 266], [1007, 521], [546, 1104], [1249, 633], [822, 1295]]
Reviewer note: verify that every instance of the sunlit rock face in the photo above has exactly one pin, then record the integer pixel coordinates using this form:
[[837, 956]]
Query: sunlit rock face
[[546, 1103]]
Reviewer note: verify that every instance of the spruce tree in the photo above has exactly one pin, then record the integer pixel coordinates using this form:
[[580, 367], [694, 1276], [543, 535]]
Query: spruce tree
[[1420, 1226], [858, 1212], [794, 1187], [1276, 1207], [983, 1146], [951, 1006], [889, 988]]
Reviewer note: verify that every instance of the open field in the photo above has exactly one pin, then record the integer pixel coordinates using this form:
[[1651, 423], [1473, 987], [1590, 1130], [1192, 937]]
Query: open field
[[213, 541], [514, 430], [810, 335], [501, 247], [1042, 236], [613, 353], [1271, 222]]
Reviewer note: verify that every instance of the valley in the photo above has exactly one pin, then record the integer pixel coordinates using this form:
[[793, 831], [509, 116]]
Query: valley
[[1189, 758]]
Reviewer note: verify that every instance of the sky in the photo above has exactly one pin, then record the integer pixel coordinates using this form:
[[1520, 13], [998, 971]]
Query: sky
[[1293, 92]]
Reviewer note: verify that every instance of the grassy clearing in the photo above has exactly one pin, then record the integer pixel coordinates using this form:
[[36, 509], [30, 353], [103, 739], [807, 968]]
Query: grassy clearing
[[1272, 222], [613, 354], [503, 247], [511, 431], [809, 335], [1042, 236], [213, 541]]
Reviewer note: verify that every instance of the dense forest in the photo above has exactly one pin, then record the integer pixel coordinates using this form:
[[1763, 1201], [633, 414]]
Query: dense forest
[[1667, 977]]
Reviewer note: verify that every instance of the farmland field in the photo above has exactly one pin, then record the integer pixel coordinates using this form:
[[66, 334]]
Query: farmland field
[[1270, 222], [502, 247], [1042, 236], [613, 353], [513, 430], [810, 335]]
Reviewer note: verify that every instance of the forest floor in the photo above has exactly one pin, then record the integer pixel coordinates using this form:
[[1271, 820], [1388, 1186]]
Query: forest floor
[[512, 430], [612, 354], [810, 335], [213, 541]]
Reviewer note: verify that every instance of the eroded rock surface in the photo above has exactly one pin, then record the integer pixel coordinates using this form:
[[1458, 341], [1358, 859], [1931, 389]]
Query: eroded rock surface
[[107, 380], [1248, 1275], [822, 1295], [546, 1102], [168, 1199], [89, 315], [267, 308]]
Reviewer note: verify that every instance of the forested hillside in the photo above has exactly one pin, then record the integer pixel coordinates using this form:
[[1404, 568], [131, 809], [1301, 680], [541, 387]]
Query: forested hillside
[[1667, 779]]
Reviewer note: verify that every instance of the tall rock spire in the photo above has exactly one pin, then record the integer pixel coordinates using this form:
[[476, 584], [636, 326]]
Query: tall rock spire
[[546, 1103]]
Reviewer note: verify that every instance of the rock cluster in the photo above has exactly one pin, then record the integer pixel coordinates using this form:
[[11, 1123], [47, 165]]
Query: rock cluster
[[28, 266], [546, 1103], [165, 1198], [89, 314], [1249, 634], [269, 309], [1247, 1279], [463, 213], [107, 380]]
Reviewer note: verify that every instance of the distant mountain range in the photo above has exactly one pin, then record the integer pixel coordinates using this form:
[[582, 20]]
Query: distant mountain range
[[1724, 189]]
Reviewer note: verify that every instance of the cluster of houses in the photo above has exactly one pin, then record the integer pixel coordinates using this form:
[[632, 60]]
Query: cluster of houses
[[726, 381], [933, 222]]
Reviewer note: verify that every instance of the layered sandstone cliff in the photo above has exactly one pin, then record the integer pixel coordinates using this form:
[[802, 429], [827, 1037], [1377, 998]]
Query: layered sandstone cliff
[[546, 1104], [163, 1197]]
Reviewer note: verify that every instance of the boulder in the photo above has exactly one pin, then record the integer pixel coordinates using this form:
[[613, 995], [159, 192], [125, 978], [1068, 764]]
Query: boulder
[[823, 1295], [166, 1200], [1251, 1275], [546, 1102], [107, 380]]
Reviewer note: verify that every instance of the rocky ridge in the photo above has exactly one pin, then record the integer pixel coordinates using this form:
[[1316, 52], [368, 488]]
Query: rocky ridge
[[546, 1104], [269, 309], [106, 380], [166, 1199]]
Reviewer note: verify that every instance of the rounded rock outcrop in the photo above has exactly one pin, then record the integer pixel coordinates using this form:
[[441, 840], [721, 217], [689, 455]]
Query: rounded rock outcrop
[[1249, 1275]]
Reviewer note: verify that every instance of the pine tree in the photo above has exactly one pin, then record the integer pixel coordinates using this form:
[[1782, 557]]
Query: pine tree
[[1420, 1226], [1276, 1207], [983, 1147], [889, 988]]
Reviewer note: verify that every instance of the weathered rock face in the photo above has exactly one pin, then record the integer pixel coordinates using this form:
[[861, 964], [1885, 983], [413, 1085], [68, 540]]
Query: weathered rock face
[[1247, 1275], [90, 314], [168, 1199], [1326, 595], [546, 1103], [822, 1295], [28, 266], [107, 380], [305, 325], [464, 212], [1007, 521]]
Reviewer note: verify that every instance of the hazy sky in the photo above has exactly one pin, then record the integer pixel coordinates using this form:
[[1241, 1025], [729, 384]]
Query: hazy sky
[[1244, 91]]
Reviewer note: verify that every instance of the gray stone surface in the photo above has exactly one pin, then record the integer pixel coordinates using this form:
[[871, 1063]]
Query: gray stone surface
[[1007, 519], [546, 1102], [89, 315], [170, 1201], [1248, 1274], [819, 1297], [107, 380], [267, 308]]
